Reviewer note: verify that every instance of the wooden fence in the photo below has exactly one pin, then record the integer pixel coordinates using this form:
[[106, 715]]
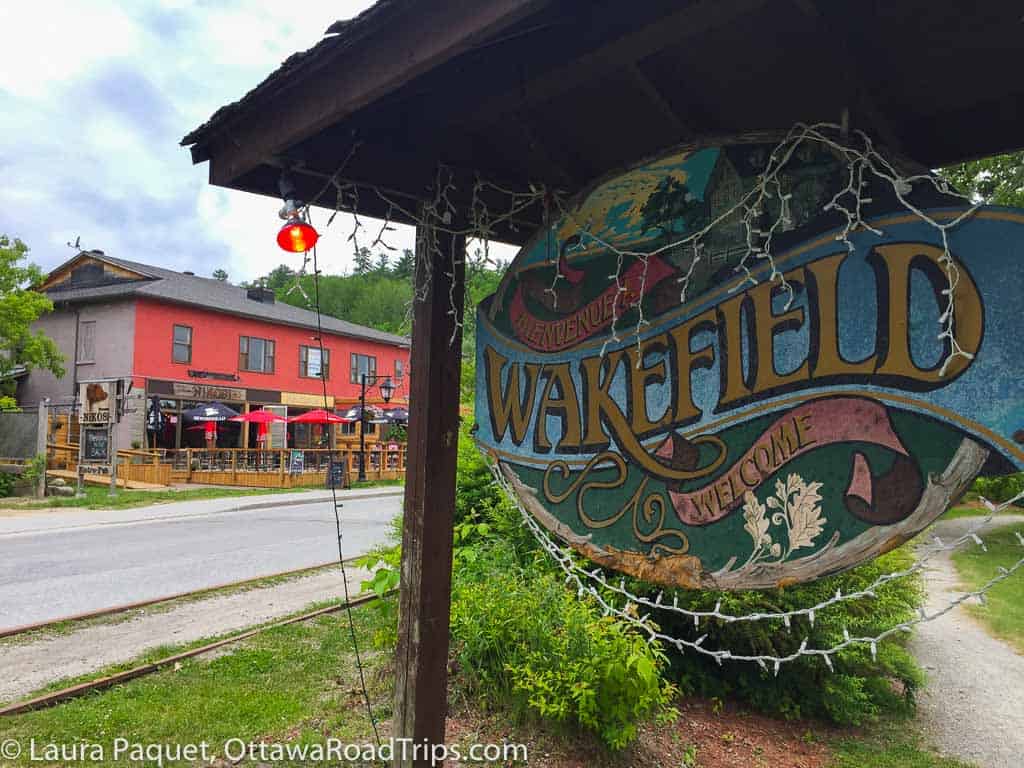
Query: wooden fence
[[132, 466], [273, 468]]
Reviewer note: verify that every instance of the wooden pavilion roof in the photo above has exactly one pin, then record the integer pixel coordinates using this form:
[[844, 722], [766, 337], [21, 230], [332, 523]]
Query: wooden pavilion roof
[[560, 92]]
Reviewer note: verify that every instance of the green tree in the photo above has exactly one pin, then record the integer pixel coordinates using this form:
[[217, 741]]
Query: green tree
[[20, 306], [220, 274], [998, 180], [382, 298], [404, 265], [362, 261], [482, 279], [672, 208], [280, 278]]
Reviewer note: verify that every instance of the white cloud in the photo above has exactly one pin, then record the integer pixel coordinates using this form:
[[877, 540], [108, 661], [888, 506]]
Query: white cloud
[[95, 98]]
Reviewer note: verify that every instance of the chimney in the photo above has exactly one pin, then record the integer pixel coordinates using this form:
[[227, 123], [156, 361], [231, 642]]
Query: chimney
[[261, 294]]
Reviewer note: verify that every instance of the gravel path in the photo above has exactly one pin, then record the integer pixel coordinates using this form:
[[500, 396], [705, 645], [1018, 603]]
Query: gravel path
[[28, 666], [972, 707]]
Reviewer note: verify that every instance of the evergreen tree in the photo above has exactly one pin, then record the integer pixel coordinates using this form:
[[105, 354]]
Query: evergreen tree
[[404, 265], [280, 278], [363, 261]]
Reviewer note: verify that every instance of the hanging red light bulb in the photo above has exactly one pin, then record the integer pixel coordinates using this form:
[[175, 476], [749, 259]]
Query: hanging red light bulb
[[296, 236]]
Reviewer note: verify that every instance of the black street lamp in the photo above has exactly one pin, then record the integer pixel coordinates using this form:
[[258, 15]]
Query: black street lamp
[[387, 389]]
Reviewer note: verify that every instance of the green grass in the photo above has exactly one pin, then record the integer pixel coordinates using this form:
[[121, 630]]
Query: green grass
[[976, 511], [99, 498], [376, 483], [1003, 615], [892, 746], [293, 683], [298, 684]]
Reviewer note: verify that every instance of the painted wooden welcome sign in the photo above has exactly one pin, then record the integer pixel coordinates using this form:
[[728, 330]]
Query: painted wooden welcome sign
[[759, 432]]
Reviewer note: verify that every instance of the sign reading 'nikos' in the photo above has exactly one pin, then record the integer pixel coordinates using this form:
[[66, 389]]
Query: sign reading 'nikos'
[[760, 432]]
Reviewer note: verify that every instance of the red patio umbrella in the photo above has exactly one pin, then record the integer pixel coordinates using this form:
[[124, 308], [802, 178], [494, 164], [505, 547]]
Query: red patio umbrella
[[264, 418], [319, 416], [259, 417]]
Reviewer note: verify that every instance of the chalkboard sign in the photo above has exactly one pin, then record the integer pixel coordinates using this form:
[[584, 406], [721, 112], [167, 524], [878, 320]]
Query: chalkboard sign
[[96, 445], [297, 462], [336, 474]]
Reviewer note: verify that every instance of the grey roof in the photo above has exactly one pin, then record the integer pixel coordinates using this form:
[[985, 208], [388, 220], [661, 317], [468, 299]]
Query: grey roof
[[167, 285]]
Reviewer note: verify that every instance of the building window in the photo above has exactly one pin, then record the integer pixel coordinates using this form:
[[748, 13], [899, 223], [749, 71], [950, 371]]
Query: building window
[[399, 369], [313, 362], [87, 341], [348, 428], [182, 352], [362, 364], [255, 354]]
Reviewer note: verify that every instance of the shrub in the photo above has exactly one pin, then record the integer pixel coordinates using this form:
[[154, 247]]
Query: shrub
[[523, 640], [861, 687], [999, 489], [35, 468], [475, 487], [6, 484]]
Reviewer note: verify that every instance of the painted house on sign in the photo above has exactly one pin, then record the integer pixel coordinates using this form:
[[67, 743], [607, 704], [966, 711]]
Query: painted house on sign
[[186, 341]]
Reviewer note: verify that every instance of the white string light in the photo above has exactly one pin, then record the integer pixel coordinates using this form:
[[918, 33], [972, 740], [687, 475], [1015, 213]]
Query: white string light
[[864, 165], [593, 583]]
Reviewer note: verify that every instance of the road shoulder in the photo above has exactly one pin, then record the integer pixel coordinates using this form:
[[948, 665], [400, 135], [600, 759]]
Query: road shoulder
[[30, 664]]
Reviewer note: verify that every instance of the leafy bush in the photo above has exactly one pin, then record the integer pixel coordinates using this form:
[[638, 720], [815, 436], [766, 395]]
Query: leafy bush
[[396, 433], [34, 469], [860, 689], [6, 484], [999, 489], [522, 640], [475, 487]]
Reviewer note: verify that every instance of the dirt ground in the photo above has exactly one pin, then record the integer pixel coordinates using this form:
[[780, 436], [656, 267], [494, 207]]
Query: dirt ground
[[706, 733]]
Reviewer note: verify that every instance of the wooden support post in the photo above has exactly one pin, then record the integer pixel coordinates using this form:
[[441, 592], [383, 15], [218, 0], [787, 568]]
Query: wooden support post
[[421, 679]]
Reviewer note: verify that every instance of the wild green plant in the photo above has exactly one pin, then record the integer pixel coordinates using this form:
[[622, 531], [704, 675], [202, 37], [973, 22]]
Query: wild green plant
[[999, 489], [523, 641], [861, 688]]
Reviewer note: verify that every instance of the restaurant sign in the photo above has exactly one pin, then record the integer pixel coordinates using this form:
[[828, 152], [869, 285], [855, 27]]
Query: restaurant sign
[[207, 392], [758, 432], [96, 401]]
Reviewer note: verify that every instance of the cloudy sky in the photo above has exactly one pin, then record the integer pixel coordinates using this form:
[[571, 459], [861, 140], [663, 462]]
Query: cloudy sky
[[96, 95]]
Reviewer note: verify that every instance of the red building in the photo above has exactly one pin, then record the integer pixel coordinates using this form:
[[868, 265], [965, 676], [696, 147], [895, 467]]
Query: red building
[[190, 340]]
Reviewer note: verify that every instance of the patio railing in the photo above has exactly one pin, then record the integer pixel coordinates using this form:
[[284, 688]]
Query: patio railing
[[266, 468]]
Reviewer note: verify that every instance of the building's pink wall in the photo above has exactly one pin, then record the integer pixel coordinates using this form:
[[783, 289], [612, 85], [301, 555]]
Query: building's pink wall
[[215, 348]]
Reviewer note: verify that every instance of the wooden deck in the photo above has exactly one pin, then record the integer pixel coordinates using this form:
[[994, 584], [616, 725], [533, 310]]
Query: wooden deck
[[104, 480], [270, 468]]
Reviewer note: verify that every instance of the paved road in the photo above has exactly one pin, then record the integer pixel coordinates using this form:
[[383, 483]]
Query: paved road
[[61, 563]]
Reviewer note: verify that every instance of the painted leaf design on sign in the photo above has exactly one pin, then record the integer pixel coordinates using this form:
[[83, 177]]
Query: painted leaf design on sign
[[805, 520], [797, 508], [756, 519]]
